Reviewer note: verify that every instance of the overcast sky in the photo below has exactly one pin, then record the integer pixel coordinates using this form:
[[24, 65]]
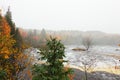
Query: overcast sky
[[83, 15]]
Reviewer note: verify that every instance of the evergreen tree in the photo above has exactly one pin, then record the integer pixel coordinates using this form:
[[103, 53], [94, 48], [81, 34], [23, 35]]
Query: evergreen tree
[[8, 17], [53, 69], [18, 38], [0, 23], [43, 37], [13, 31]]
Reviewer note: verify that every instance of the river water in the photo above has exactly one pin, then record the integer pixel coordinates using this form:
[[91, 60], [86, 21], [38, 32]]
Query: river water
[[98, 56]]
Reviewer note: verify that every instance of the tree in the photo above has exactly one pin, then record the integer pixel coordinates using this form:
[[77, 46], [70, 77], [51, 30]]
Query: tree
[[87, 41], [88, 66], [3, 74], [8, 18], [18, 38], [87, 63], [4, 27], [12, 60], [53, 69], [13, 31], [6, 49], [43, 37]]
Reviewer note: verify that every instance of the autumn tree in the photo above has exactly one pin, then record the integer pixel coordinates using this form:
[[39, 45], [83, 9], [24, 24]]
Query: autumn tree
[[4, 27], [12, 60], [6, 48], [53, 69], [17, 62]]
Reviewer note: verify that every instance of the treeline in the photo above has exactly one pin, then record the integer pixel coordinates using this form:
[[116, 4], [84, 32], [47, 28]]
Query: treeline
[[37, 38], [33, 38], [73, 37], [77, 37]]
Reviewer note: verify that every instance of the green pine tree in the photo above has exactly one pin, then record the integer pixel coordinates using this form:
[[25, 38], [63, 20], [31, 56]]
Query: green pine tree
[[53, 69], [8, 17], [3, 74], [14, 32], [43, 37], [18, 38]]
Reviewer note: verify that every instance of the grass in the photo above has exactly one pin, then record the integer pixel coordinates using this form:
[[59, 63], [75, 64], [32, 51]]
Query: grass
[[106, 69]]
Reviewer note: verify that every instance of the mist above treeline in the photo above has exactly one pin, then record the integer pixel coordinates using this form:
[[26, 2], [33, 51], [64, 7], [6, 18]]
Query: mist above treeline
[[36, 38]]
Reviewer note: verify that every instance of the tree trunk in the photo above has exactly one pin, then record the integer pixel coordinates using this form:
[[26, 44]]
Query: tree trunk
[[86, 77]]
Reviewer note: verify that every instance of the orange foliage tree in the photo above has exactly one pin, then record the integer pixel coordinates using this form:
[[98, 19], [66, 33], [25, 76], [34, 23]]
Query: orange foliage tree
[[12, 60], [5, 40], [4, 27], [6, 44]]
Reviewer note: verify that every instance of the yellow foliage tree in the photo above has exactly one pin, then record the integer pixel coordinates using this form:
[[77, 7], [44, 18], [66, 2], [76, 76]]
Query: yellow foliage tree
[[4, 27], [12, 60], [6, 47], [6, 42]]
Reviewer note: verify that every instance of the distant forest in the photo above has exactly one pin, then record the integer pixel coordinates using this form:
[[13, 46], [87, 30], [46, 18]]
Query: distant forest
[[34, 37]]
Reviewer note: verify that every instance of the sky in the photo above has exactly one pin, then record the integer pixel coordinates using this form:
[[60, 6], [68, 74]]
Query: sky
[[83, 15]]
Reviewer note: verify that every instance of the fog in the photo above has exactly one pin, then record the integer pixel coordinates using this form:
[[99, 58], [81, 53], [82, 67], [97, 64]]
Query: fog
[[83, 15]]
